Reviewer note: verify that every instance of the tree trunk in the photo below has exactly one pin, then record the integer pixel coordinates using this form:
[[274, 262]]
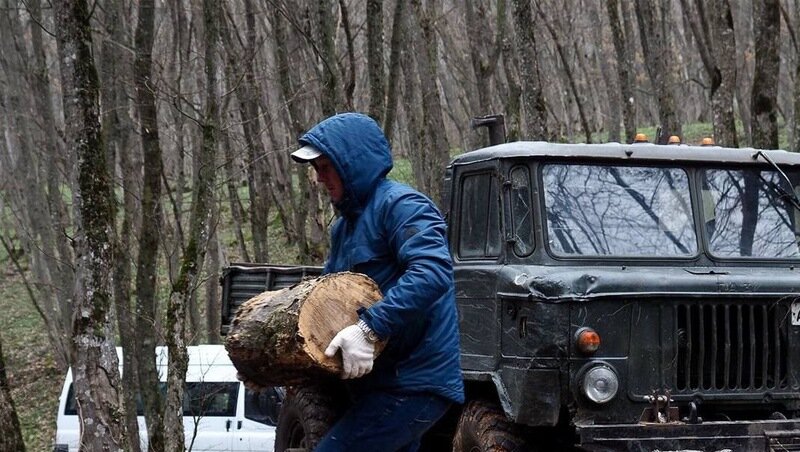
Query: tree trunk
[[149, 231], [279, 338], [484, 55], [396, 41], [10, 432], [795, 145], [722, 101], [513, 106], [624, 67], [95, 364], [437, 154], [350, 85], [712, 26], [195, 250], [375, 71], [327, 48], [116, 125], [56, 252], [653, 18], [534, 108], [764, 98], [234, 203], [213, 305]]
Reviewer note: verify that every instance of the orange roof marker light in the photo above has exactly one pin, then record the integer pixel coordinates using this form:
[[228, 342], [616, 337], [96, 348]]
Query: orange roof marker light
[[707, 141], [640, 138], [674, 139]]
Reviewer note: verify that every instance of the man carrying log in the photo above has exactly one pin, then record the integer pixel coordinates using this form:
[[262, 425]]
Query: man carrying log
[[396, 236]]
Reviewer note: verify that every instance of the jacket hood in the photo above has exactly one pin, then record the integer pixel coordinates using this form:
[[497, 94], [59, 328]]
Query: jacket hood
[[356, 145]]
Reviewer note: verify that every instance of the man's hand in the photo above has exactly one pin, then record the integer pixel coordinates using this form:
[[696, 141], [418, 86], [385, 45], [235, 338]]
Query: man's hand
[[358, 352]]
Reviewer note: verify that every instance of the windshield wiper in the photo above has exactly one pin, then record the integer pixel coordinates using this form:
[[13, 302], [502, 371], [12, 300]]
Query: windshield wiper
[[789, 197]]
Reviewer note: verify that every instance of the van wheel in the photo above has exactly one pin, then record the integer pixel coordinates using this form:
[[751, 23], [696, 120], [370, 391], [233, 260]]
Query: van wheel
[[483, 427], [304, 418]]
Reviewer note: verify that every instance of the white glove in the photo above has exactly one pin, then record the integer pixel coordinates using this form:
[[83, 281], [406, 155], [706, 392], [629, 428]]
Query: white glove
[[358, 353]]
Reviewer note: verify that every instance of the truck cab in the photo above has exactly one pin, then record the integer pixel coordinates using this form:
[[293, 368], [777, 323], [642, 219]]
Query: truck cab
[[643, 296]]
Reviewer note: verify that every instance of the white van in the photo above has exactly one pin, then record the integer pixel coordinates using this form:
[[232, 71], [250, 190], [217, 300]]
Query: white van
[[219, 413]]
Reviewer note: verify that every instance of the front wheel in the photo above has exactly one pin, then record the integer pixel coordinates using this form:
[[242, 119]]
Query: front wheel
[[305, 416], [483, 427]]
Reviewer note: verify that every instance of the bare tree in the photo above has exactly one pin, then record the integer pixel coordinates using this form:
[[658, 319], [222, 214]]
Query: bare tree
[[95, 364], [792, 28], [114, 70], [432, 158], [194, 251], [624, 67], [485, 48], [327, 56], [146, 267], [653, 17], [711, 23], [764, 129], [377, 85], [398, 30], [534, 108]]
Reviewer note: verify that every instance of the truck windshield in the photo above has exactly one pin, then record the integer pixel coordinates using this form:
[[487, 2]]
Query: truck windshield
[[597, 210], [751, 213]]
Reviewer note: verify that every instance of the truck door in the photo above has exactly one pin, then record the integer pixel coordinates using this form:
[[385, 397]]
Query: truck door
[[475, 225]]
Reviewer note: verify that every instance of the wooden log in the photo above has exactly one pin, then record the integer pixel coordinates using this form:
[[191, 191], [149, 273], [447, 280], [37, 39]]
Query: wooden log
[[279, 338]]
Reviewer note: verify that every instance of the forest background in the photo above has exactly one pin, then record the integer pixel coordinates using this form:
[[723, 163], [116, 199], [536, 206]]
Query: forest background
[[144, 145]]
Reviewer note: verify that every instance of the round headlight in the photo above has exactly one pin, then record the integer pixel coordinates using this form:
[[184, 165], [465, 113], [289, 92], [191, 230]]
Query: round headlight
[[600, 384]]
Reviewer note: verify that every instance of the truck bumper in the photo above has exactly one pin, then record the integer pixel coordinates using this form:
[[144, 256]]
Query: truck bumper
[[749, 436]]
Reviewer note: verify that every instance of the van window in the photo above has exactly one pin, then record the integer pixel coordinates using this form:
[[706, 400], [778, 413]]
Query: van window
[[71, 407], [210, 399], [200, 399], [262, 406]]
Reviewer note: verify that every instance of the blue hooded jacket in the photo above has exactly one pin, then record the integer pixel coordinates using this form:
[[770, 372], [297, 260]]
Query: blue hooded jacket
[[396, 236]]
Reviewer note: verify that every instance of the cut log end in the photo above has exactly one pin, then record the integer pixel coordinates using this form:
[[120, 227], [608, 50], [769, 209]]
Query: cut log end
[[279, 338]]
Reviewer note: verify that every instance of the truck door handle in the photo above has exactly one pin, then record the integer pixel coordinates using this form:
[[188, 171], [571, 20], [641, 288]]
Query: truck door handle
[[228, 425], [238, 425]]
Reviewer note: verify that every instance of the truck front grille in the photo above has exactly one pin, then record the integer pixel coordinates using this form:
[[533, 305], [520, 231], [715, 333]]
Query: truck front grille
[[731, 345]]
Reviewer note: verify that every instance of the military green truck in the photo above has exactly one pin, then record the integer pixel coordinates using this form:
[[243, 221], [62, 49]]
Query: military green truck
[[611, 297]]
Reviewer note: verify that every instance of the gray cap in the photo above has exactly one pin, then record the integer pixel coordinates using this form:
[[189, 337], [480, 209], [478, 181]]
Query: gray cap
[[305, 154]]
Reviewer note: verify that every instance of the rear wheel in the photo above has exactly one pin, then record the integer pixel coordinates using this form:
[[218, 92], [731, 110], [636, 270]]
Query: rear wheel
[[483, 427], [305, 416]]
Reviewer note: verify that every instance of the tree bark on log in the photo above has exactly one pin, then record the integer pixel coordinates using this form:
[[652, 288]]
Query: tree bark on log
[[278, 338]]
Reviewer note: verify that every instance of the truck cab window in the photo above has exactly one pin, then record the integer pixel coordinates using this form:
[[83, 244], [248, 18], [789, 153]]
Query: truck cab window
[[753, 215], [479, 225], [521, 211], [595, 210]]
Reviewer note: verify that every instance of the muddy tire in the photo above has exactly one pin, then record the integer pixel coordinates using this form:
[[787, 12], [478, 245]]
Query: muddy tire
[[483, 427], [305, 417]]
